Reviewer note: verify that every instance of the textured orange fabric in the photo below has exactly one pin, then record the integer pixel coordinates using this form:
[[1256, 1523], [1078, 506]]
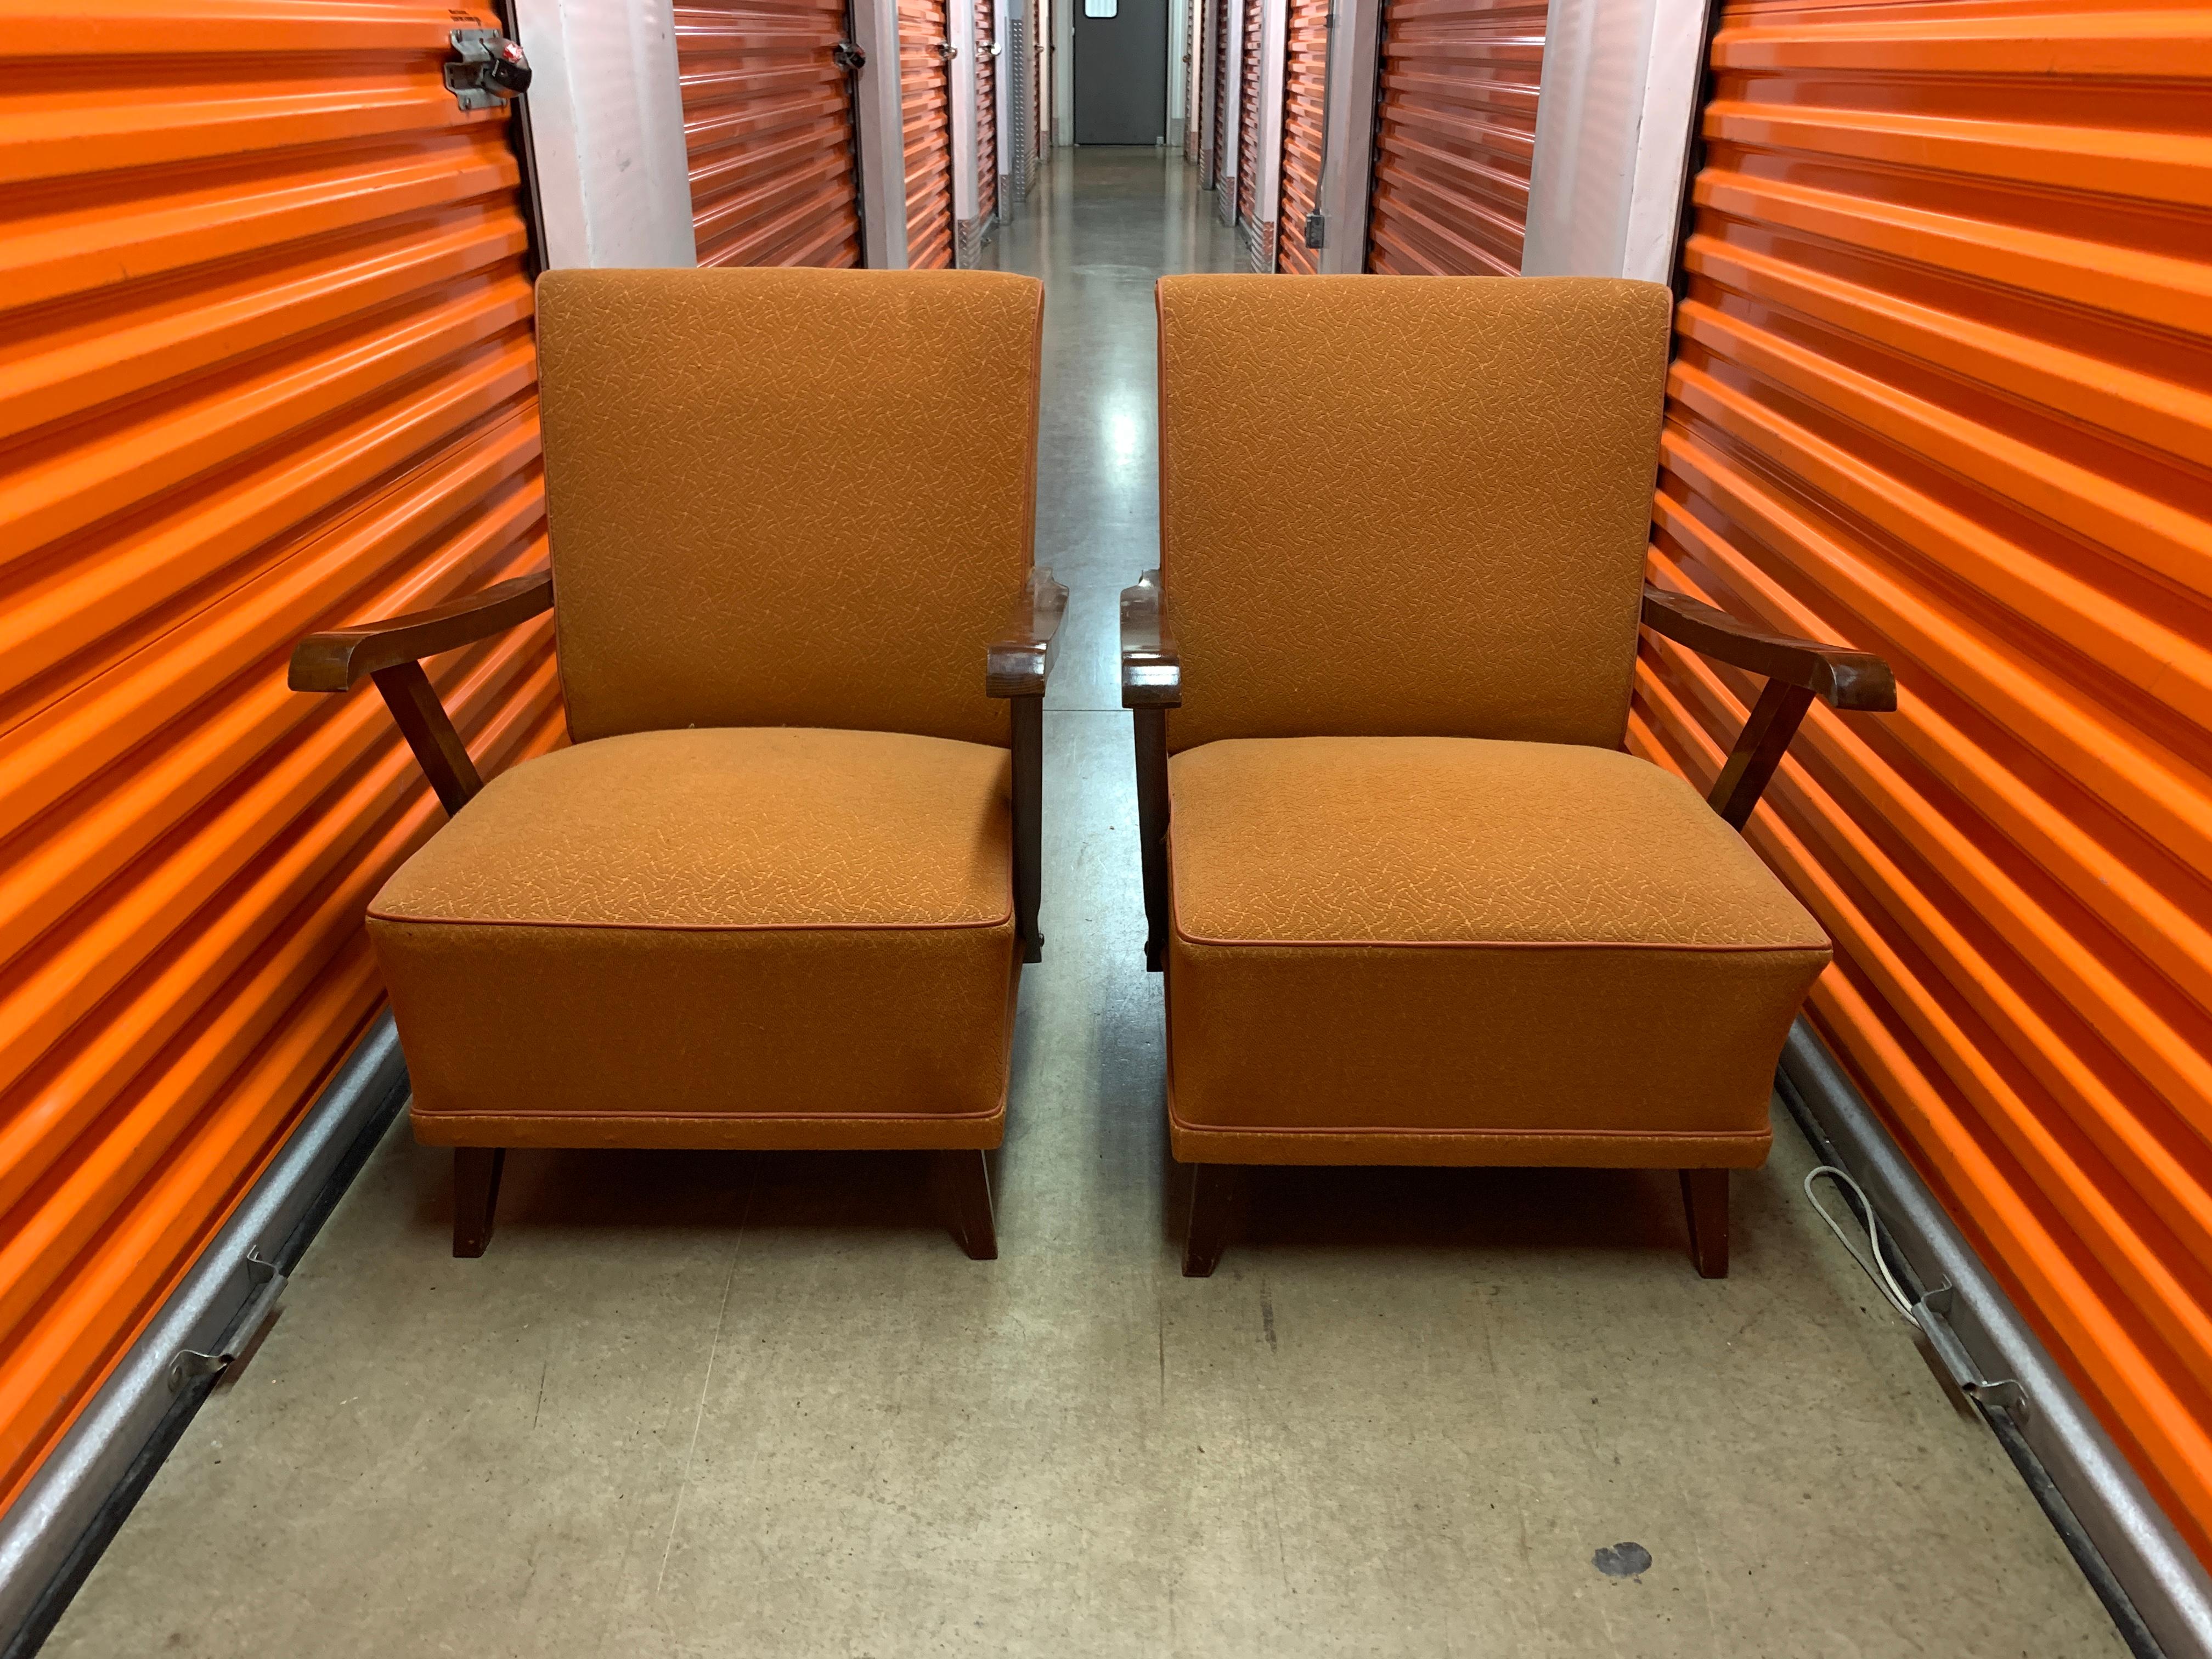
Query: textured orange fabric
[[787, 497], [1395, 506], [1454, 840], [1454, 950], [719, 937], [732, 827]]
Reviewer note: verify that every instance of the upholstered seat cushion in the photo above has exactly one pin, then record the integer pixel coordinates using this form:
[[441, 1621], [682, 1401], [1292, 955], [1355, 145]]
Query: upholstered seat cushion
[[1451, 950], [736, 937]]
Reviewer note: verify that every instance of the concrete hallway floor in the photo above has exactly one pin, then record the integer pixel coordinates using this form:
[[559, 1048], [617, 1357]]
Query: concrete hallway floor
[[762, 1406]]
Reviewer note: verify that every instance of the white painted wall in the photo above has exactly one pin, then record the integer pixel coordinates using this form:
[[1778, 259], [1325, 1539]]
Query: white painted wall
[[1613, 133], [1274, 40], [1225, 156], [1060, 97], [606, 126], [960, 30], [1178, 43], [1347, 156], [881, 134]]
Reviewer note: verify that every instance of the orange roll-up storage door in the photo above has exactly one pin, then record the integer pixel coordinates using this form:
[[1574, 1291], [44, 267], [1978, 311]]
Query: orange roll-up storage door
[[265, 365], [1248, 112], [1455, 132], [986, 112], [925, 110], [768, 129], [1220, 81], [1944, 390], [1305, 88]]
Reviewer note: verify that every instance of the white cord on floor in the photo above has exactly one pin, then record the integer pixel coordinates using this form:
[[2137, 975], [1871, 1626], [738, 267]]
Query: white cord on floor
[[1877, 1269]]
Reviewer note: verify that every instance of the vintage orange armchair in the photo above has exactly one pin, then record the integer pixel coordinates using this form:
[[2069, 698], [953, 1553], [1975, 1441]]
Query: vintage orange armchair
[[1414, 902], [778, 891]]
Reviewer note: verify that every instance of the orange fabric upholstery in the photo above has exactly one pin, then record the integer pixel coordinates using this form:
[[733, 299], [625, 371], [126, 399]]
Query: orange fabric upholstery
[[1407, 506], [737, 937], [1454, 950], [787, 497]]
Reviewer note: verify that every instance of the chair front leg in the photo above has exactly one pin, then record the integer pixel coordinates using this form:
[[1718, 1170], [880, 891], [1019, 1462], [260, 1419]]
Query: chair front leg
[[1152, 730], [476, 1170], [1029, 821]]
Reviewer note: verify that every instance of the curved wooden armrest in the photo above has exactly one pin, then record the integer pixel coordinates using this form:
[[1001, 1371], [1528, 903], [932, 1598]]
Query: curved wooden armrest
[[1020, 664], [391, 652], [339, 660], [1840, 677], [1797, 670], [1152, 666]]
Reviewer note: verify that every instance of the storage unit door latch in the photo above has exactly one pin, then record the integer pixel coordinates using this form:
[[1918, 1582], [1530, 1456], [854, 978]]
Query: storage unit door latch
[[487, 69]]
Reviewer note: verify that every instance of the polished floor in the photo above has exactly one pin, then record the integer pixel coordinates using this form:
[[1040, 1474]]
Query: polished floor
[[762, 1406]]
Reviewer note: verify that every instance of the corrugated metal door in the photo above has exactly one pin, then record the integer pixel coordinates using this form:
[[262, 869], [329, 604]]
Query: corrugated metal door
[[1223, 78], [986, 113], [1944, 390], [1247, 111], [925, 110], [1194, 70], [1454, 131], [768, 124], [267, 366], [1041, 130], [1305, 91]]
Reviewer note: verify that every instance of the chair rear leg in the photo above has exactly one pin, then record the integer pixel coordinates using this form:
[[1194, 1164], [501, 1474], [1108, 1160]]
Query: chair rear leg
[[1216, 1190], [476, 1196], [1706, 1202], [961, 1180]]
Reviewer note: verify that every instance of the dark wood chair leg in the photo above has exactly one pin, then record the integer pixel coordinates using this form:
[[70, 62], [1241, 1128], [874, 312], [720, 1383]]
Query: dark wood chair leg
[[962, 1183], [1706, 1202], [476, 1196], [1028, 714], [1215, 1191], [1151, 729]]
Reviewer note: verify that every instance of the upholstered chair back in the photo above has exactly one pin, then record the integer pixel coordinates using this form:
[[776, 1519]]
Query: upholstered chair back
[[1407, 506], [787, 497]]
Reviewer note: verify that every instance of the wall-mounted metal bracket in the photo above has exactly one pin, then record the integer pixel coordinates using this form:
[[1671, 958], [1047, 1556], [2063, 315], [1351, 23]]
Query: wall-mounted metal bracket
[[487, 69], [848, 56], [268, 1285], [1316, 229]]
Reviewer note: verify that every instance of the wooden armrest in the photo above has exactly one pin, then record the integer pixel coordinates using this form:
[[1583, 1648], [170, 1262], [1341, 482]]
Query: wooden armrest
[[339, 660], [391, 652], [1020, 664], [1796, 671], [1152, 667], [1840, 677]]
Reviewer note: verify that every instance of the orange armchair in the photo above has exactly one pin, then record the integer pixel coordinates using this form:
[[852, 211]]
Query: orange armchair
[[1414, 904], [778, 891]]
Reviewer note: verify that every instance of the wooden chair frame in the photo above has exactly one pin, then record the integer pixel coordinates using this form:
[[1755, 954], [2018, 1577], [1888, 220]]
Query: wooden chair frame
[[1017, 666], [1797, 671]]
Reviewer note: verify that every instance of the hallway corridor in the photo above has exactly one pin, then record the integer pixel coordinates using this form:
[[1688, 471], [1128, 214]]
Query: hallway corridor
[[760, 1405]]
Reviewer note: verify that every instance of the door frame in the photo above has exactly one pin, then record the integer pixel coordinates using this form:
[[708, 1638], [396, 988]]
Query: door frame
[[879, 135]]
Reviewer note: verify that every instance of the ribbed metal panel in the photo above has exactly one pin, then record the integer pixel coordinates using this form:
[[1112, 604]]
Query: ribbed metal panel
[[768, 124], [1020, 66], [1944, 390], [265, 365], [1454, 136], [926, 111], [1258, 236], [987, 115], [1218, 82], [1194, 73], [1041, 90], [1305, 93], [1248, 112]]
